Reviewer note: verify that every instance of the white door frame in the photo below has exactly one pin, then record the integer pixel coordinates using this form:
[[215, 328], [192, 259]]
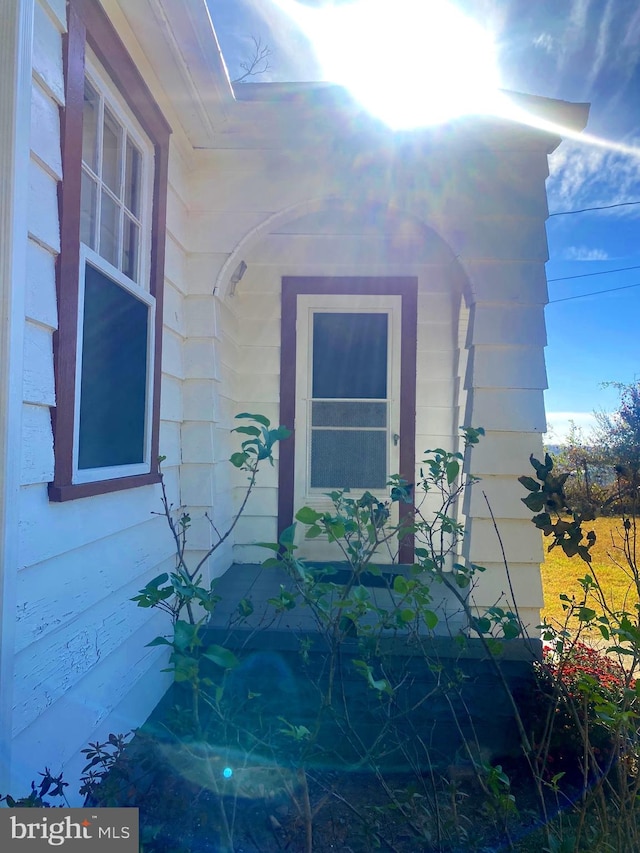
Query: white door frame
[[295, 288]]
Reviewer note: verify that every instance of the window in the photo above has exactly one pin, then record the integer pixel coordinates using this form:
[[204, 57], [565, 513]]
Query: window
[[349, 401], [110, 271]]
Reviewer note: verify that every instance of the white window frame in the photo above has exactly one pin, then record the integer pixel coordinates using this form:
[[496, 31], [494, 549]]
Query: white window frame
[[90, 475], [110, 97]]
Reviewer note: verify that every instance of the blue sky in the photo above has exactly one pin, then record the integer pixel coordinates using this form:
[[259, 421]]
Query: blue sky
[[575, 50]]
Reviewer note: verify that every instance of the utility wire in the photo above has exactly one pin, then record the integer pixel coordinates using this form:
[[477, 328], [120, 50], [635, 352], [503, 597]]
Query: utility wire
[[587, 209], [594, 293], [588, 274]]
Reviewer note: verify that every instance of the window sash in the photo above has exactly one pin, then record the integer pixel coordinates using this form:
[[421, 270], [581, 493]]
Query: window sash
[[88, 475], [130, 206]]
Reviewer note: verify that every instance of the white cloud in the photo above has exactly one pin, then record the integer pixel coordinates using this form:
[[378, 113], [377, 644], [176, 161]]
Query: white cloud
[[559, 425], [574, 36], [603, 47], [587, 175], [583, 253], [545, 41]]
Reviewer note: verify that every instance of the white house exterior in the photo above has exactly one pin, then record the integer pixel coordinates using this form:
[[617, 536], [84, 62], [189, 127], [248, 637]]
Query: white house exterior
[[113, 114]]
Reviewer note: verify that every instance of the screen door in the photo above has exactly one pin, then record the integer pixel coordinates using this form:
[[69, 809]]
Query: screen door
[[347, 381]]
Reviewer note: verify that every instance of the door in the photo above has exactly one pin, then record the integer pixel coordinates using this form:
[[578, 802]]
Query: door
[[347, 394], [347, 385]]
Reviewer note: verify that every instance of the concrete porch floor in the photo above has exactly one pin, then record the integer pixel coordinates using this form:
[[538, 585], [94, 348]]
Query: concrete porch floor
[[253, 582]]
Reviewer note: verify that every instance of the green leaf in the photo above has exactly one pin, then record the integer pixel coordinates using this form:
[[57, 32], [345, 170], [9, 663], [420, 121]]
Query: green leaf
[[534, 501], [281, 433], [430, 619], [245, 607], [307, 515], [335, 531], [248, 430], [400, 585], [586, 614], [238, 459], [221, 656], [185, 635], [481, 624], [313, 531], [259, 419], [159, 641], [360, 594], [529, 483], [407, 615], [511, 630], [452, 469], [287, 536]]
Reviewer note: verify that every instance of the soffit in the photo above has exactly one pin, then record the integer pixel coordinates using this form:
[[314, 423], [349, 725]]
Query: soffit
[[180, 45]]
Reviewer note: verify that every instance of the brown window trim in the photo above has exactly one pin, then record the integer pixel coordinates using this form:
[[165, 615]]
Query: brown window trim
[[292, 287], [88, 24]]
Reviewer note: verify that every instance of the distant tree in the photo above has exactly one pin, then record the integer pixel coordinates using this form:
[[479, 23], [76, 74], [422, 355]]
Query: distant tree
[[583, 460], [618, 436], [257, 64]]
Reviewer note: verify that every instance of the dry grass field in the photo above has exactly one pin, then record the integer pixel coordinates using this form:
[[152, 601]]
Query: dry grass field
[[560, 573]]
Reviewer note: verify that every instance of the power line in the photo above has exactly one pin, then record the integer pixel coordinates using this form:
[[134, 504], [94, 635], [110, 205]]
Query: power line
[[588, 209], [589, 274], [594, 293]]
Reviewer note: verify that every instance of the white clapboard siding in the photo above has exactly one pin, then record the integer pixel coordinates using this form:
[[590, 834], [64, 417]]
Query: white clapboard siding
[[43, 207], [50, 594], [48, 668], [172, 354], [202, 271], [40, 296], [101, 702], [174, 263], [173, 309], [36, 449], [45, 130], [38, 383], [47, 48], [49, 529]]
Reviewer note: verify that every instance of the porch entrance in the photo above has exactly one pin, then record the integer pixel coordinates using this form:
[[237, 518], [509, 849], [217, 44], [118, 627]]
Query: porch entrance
[[342, 387]]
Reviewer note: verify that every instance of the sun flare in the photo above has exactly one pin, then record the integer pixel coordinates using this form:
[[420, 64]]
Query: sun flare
[[410, 63]]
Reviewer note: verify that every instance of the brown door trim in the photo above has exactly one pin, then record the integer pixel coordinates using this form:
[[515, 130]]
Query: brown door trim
[[292, 287]]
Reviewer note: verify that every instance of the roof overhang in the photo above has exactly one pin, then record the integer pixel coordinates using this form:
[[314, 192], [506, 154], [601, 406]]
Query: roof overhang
[[180, 44]]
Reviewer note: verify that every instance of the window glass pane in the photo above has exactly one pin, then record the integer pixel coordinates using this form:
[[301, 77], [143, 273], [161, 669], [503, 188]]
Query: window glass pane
[[109, 228], [132, 178], [88, 199], [355, 459], [350, 355], [114, 374], [111, 145], [90, 126], [130, 244], [349, 414]]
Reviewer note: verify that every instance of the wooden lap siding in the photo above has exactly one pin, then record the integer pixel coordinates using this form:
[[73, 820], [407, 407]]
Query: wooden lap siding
[[81, 666]]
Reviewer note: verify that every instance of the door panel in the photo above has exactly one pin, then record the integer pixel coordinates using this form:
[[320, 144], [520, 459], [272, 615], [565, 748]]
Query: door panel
[[347, 399]]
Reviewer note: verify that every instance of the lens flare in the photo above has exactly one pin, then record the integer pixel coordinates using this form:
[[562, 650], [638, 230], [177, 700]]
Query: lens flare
[[410, 63]]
